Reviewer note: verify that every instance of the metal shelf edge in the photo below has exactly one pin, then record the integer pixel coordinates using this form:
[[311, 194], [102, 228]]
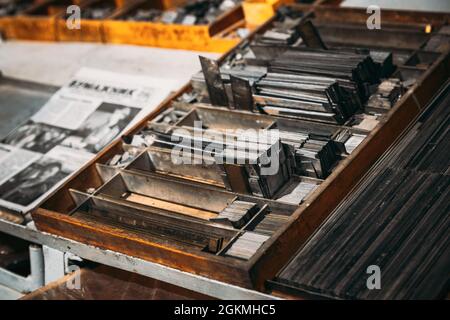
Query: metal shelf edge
[[210, 287]]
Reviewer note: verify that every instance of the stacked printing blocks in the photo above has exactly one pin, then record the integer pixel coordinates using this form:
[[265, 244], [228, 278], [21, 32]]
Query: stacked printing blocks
[[247, 245], [237, 214], [264, 172], [322, 85]]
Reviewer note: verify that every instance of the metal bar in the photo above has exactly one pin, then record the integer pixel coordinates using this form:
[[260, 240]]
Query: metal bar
[[214, 82], [54, 264], [310, 35], [212, 288]]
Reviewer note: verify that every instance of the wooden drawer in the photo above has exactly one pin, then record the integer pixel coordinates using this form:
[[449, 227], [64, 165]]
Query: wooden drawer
[[37, 22], [176, 36]]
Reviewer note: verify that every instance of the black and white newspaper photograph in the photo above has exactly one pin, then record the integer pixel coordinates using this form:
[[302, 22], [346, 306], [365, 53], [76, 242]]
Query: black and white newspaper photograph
[[101, 127], [33, 181], [76, 123]]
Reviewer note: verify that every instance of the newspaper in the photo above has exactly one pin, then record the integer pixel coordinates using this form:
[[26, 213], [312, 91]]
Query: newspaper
[[79, 120]]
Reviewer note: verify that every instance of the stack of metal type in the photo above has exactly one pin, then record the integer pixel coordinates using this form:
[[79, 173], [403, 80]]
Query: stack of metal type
[[142, 140], [264, 165], [263, 160], [315, 98], [384, 60], [189, 97], [250, 73], [315, 155], [237, 214], [348, 141], [386, 95], [265, 171], [246, 245], [396, 220], [270, 224], [98, 12], [316, 158], [358, 68], [287, 13], [7, 8], [364, 121], [284, 31], [151, 137], [122, 160], [294, 139], [302, 153], [170, 116], [148, 15], [278, 36], [299, 193], [353, 142], [199, 12], [195, 12], [321, 85]]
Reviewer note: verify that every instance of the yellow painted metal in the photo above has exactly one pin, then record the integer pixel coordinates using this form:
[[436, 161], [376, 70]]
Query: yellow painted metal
[[210, 38], [257, 12]]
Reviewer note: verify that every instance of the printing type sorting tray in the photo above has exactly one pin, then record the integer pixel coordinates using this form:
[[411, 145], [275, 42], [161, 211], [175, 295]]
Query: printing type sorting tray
[[104, 205], [168, 220]]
